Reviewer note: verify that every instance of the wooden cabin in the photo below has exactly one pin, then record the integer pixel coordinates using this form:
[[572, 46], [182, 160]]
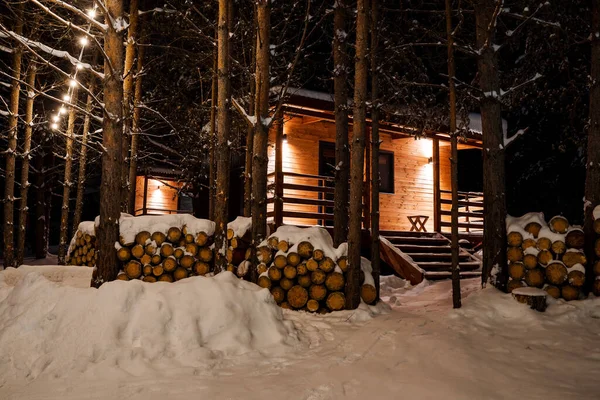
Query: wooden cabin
[[415, 173], [158, 191]]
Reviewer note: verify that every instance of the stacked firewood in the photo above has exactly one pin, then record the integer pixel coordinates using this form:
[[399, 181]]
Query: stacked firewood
[[239, 252], [596, 285], [165, 257], [547, 256], [82, 250], [301, 276]]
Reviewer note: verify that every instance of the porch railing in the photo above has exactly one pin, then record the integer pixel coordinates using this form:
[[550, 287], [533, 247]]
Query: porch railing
[[470, 212], [307, 199]]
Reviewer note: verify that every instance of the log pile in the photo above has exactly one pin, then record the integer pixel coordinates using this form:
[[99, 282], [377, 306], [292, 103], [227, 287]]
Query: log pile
[[304, 272], [596, 269], [167, 257], [239, 238], [82, 250], [547, 256]]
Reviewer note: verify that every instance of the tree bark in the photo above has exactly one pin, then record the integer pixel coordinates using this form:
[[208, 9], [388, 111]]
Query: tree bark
[[358, 158], [375, 144], [135, 128], [212, 168], [43, 161], [13, 121], [83, 160], [127, 101], [494, 185], [592, 181], [340, 90], [261, 140], [223, 154], [453, 159], [64, 213], [22, 229], [250, 131], [112, 131]]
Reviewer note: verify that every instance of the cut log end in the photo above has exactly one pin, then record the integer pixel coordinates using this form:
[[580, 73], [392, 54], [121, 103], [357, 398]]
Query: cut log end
[[535, 298], [297, 296]]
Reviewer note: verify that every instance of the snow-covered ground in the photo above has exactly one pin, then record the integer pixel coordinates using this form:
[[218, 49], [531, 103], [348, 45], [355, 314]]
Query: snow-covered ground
[[221, 338]]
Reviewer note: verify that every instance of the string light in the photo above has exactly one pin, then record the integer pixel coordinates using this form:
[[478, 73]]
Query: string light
[[72, 83], [66, 97], [55, 118], [92, 13], [79, 66], [62, 110], [54, 126], [84, 41]]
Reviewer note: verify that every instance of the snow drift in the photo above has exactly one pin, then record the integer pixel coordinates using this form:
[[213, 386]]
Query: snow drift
[[50, 329]]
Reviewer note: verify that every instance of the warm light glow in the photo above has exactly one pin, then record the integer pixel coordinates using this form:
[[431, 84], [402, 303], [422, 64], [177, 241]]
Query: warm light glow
[[54, 126], [84, 41], [72, 83], [285, 137], [91, 13], [55, 118], [79, 66], [425, 147], [66, 97], [62, 110]]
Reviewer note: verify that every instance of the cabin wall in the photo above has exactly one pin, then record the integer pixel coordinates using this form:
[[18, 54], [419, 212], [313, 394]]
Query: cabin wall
[[413, 175], [162, 197]]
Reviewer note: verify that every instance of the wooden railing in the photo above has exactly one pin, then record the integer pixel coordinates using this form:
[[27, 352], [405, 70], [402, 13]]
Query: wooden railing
[[470, 212], [305, 198], [159, 211]]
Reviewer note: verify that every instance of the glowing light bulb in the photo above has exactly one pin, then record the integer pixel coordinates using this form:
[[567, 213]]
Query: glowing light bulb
[[84, 41], [79, 66], [62, 110], [91, 13], [54, 126], [72, 83], [55, 118], [66, 97]]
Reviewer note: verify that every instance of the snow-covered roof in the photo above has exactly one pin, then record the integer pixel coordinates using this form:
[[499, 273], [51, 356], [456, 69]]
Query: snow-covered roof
[[475, 123]]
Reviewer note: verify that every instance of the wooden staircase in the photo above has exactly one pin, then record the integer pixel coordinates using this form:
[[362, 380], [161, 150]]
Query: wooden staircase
[[424, 255]]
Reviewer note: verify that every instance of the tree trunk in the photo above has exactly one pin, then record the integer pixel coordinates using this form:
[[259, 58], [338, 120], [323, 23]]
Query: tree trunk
[[250, 131], [13, 121], [135, 129], [31, 73], [83, 160], [42, 207], [64, 213], [112, 130], [340, 90], [358, 158], [375, 256], [223, 135], [494, 192], [453, 159], [212, 167], [259, 165], [128, 186], [592, 181]]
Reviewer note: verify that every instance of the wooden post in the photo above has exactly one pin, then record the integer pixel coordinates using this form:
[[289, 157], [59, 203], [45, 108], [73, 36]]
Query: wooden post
[[145, 200], [278, 199], [437, 206]]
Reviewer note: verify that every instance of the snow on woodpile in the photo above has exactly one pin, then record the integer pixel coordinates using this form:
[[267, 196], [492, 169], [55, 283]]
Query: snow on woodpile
[[55, 330], [130, 226], [240, 226], [546, 255]]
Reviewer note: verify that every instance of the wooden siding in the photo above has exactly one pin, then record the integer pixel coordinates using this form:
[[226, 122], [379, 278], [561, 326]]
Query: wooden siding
[[413, 175], [162, 196]]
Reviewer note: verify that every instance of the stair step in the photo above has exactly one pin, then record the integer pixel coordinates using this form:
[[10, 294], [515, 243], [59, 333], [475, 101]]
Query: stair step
[[446, 266], [426, 241], [438, 275], [415, 248], [437, 256], [389, 234]]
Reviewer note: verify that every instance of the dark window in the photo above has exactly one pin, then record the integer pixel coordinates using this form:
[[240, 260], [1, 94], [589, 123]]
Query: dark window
[[386, 172]]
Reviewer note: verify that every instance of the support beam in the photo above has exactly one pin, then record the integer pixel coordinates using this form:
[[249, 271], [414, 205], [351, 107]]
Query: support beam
[[278, 200], [437, 216]]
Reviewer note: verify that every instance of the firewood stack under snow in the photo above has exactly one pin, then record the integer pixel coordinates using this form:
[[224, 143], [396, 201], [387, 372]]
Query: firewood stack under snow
[[300, 266], [304, 271], [546, 255], [596, 285]]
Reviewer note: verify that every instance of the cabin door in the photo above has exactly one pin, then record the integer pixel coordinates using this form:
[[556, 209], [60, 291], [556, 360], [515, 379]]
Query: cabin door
[[326, 168]]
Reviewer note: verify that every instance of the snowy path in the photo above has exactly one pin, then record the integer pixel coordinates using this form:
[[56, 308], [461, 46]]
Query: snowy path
[[493, 348]]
